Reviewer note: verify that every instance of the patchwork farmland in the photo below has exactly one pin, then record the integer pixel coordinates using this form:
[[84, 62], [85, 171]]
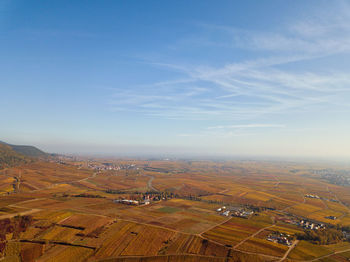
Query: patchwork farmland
[[181, 211]]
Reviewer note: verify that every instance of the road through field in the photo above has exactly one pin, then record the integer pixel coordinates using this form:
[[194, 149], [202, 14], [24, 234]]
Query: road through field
[[289, 250], [325, 256], [28, 212], [226, 220], [340, 202], [23, 213], [253, 235], [149, 184], [66, 182]]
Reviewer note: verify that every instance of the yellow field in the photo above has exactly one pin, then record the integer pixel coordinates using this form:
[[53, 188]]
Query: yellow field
[[263, 246], [306, 250], [336, 207], [346, 220], [52, 216], [124, 238], [235, 230], [88, 223], [64, 253], [321, 216], [60, 234], [304, 209]]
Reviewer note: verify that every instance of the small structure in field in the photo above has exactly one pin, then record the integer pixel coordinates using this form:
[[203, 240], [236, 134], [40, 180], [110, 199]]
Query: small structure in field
[[310, 225], [226, 213], [281, 238], [312, 196], [243, 213], [220, 209], [127, 201]]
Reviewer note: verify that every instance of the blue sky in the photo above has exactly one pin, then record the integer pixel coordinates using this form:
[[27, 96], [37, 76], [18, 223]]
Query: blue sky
[[240, 78]]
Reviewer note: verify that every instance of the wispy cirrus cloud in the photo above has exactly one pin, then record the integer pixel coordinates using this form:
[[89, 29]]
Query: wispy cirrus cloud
[[248, 126], [232, 130], [324, 32], [271, 84]]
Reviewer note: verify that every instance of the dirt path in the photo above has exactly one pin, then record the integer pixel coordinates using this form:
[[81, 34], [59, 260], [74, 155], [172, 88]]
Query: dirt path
[[149, 184], [86, 178], [64, 219], [28, 212], [223, 191], [27, 201], [253, 235], [304, 201], [235, 247], [141, 223], [210, 240], [289, 250], [331, 254], [241, 251], [65, 182], [277, 181], [226, 220], [336, 197]]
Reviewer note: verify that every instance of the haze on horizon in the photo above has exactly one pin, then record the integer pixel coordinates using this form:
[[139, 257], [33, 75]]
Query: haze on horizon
[[247, 78]]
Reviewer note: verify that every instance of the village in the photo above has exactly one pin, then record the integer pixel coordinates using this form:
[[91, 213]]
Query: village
[[132, 202], [305, 224], [322, 198], [301, 222], [281, 238], [235, 211], [110, 166], [143, 198]]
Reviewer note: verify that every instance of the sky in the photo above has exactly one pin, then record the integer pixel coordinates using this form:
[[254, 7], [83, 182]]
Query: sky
[[200, 77]]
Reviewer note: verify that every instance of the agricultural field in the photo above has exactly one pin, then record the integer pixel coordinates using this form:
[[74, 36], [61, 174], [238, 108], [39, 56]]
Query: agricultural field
[[305, 251], [72, 212], [263, 246], [236, 230]]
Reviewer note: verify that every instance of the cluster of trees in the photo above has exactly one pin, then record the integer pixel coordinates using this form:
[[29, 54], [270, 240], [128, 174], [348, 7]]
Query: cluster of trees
[[88, 195], [79, 195], [117, 192], [322, 237], [143, 195], [16, 225], [192, 197]]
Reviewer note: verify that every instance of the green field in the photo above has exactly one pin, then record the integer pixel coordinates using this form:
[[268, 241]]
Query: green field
[[168, 210]]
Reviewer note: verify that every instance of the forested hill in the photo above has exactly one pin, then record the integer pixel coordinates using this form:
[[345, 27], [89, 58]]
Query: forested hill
[[30, 151], [13, 155], [9, 157]]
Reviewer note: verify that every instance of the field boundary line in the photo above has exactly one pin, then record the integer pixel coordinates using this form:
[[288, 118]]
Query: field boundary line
[[253, 235], [217, 225]]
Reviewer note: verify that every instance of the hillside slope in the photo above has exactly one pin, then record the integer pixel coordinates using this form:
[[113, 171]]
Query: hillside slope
[[9, 157], [30, 151]]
